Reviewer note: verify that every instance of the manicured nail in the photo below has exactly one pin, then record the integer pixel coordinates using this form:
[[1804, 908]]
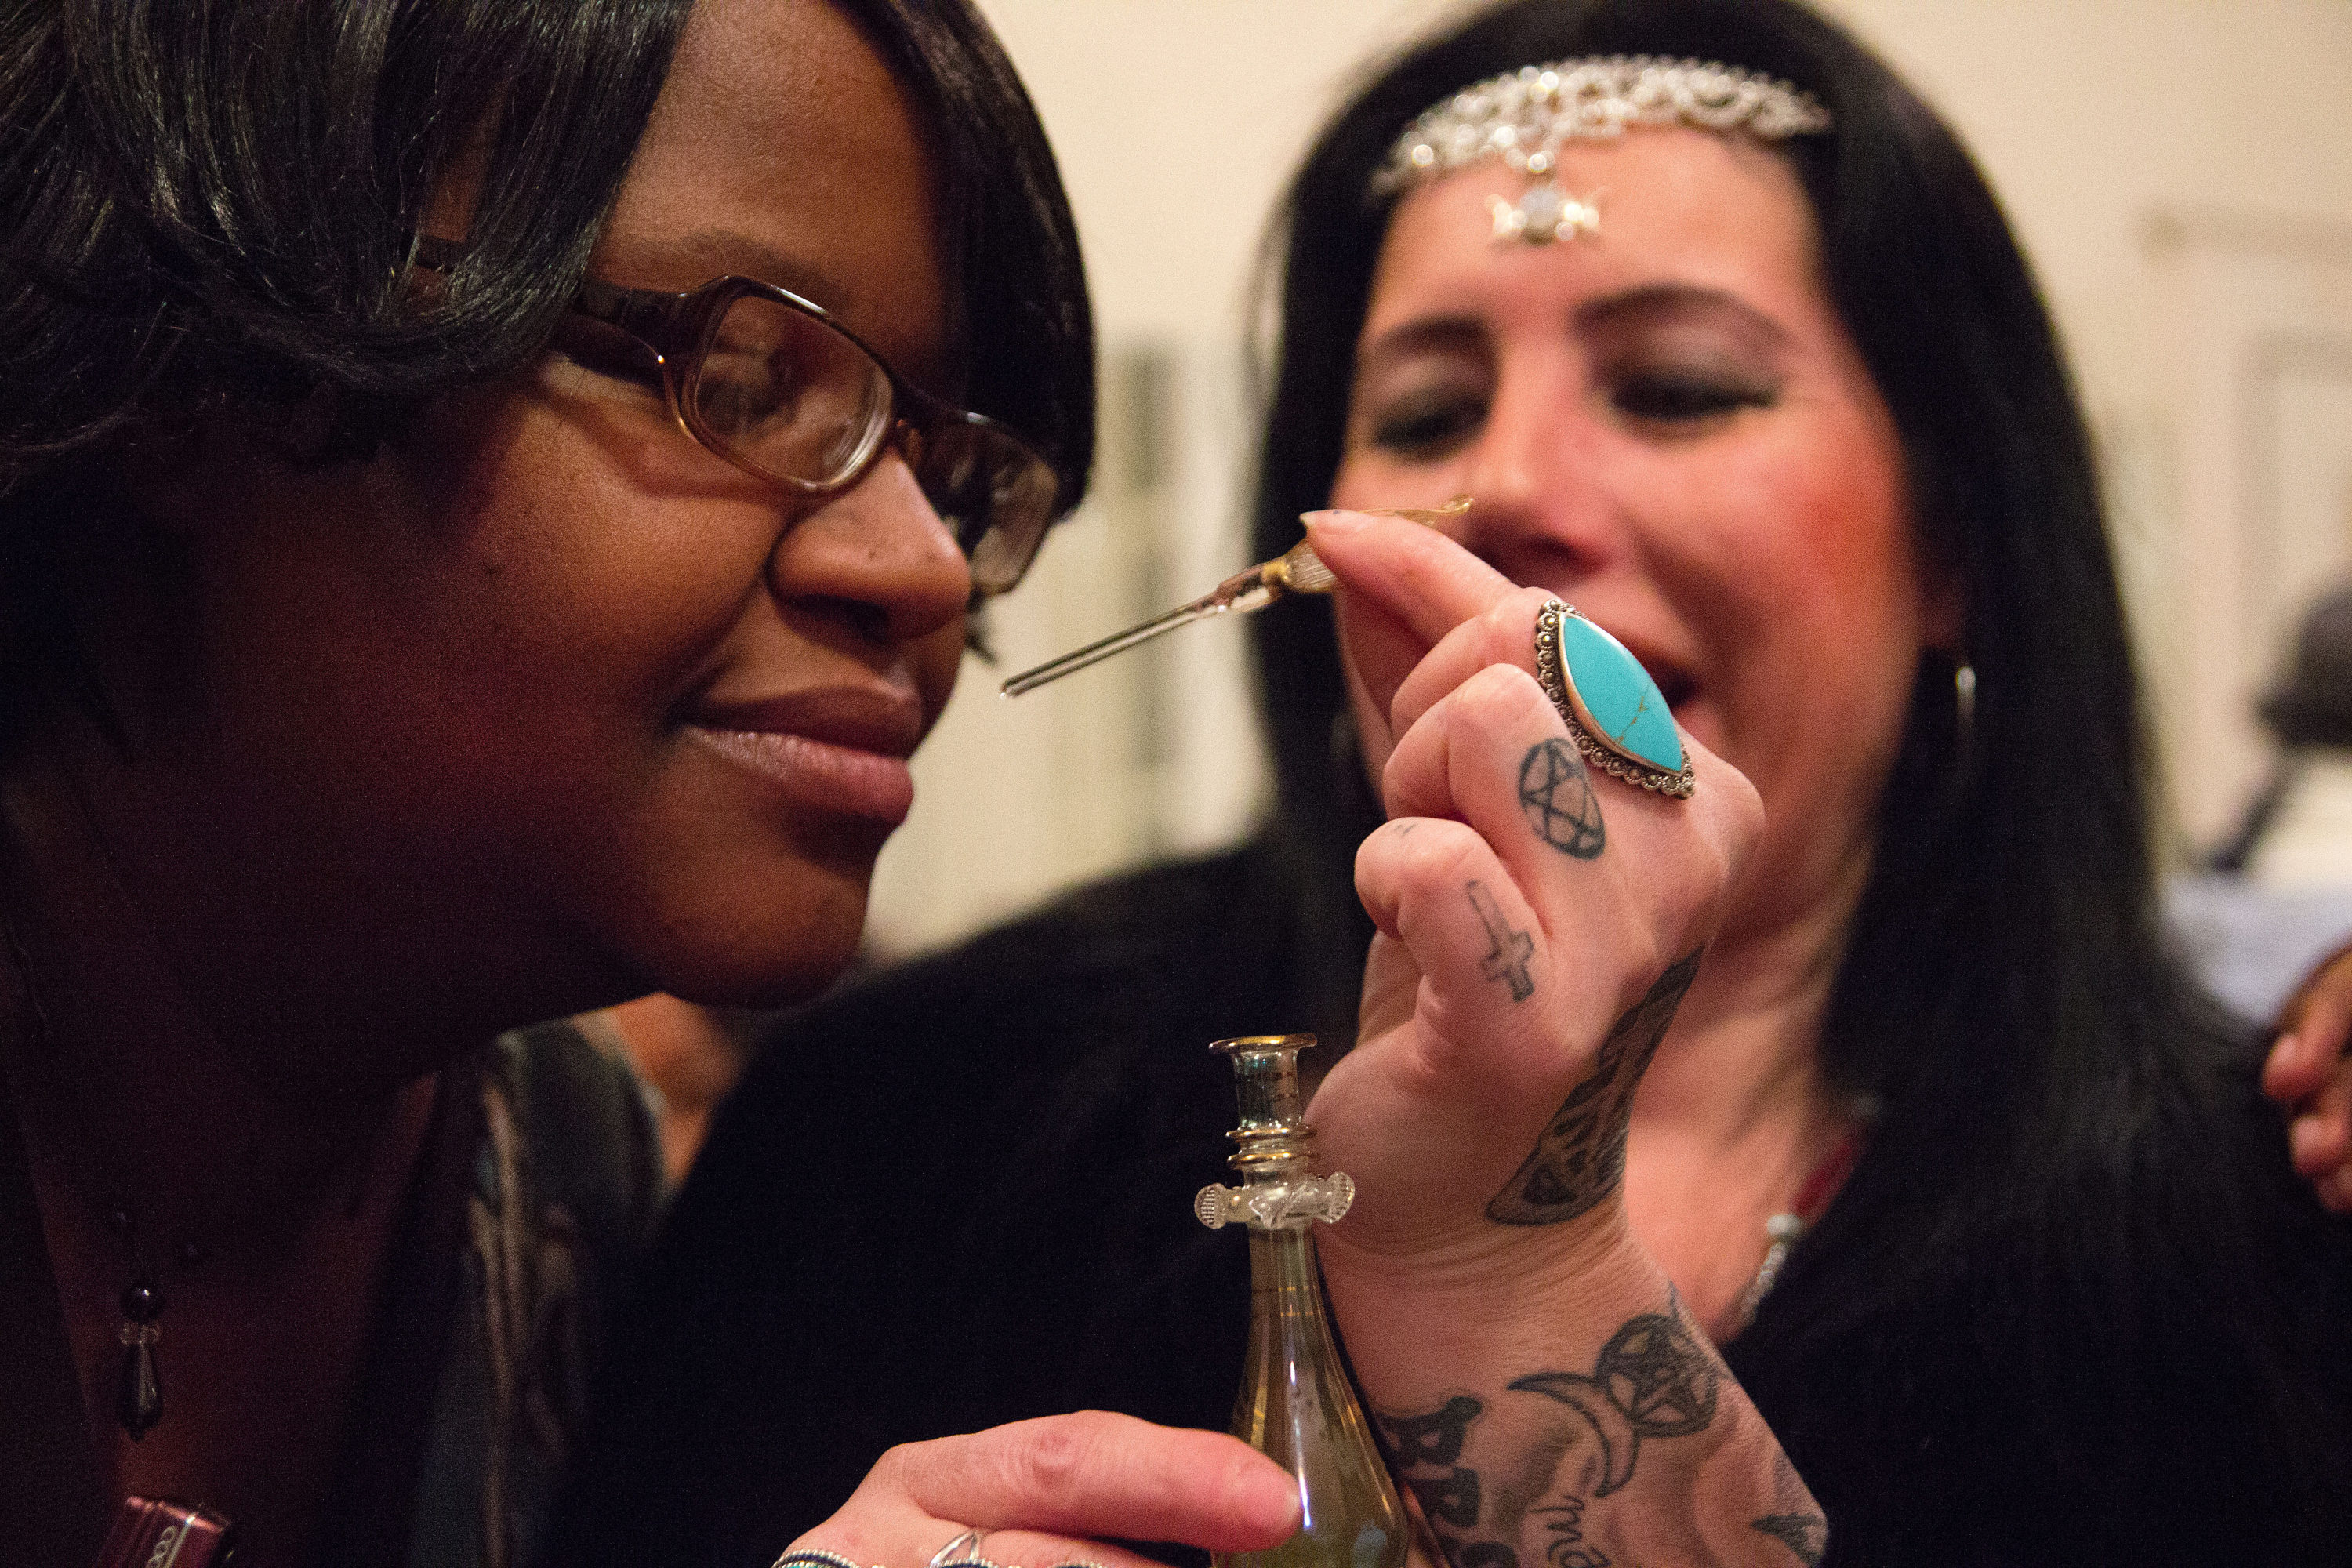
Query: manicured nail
[[1333, 521]]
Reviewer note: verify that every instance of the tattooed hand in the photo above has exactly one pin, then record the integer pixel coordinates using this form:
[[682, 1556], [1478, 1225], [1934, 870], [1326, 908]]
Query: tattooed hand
[[1548, 1402], [1538, 922]]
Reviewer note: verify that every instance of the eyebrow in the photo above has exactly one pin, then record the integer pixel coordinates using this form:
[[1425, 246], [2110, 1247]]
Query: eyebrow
[[1424, 335], [690, 260], [694, 258], [1655, 303], [1633, 308]]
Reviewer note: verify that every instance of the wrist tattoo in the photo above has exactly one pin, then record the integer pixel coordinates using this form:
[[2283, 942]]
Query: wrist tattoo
[[1580, 1157], [1556, 792], [1427, 1447], [1653, 1379], [1508, 959], [1568, 1547]]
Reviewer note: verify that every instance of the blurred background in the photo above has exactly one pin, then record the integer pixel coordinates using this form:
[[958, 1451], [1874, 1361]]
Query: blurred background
[[2180, 172]]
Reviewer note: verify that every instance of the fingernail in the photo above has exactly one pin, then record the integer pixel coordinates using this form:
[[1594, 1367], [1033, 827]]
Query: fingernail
[[1267, 1499], [1332, 519]]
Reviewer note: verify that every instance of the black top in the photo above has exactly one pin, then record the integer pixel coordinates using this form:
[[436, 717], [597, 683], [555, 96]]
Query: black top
[[431, 1421], [959, 1194]]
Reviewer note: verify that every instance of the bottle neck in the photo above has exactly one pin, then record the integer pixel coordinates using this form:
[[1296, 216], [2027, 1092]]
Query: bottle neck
[[1282, 1275]]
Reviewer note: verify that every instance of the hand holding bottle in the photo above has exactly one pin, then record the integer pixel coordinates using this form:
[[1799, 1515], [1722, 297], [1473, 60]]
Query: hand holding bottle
[[1043, 1489]]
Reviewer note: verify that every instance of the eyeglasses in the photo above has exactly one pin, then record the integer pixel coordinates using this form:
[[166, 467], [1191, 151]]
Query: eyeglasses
[[772, 383]]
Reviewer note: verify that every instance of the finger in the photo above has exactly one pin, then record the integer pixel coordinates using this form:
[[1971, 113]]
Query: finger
[[2320, 1139], [2294, 1070], [1404, 587], [2335, 1190], [1037, 1548], [1502, 633], [1423, 579], [1442, 892], [1095, 1473], [1494, 753], [2322, 1016], [997, 1549]]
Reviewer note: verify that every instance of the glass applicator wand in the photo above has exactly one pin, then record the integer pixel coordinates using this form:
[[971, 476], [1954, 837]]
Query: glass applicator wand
[[1298, 570]]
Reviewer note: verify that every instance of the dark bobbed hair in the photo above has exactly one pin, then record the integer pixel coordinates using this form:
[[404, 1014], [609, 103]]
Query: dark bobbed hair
[[209, 208], [2005, 993]]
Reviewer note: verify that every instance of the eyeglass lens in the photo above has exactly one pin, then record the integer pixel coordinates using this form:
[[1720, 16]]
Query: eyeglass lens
[[799, 401]]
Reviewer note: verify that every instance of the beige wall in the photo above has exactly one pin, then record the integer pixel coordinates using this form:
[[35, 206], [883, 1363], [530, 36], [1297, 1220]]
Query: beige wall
[[1178, 120]]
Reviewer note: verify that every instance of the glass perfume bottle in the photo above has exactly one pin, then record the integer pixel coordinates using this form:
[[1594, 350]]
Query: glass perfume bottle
[[1295, 1404]]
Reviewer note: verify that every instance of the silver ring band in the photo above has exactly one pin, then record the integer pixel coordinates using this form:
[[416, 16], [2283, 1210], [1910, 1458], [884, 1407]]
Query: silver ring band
[[964, 1548]]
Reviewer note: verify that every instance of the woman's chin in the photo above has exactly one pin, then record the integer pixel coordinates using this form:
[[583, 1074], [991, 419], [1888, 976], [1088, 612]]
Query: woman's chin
[[771, 957]]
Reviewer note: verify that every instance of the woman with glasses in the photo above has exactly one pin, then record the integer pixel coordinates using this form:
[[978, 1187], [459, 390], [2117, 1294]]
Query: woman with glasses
[[1974, 1189], [489, 501]]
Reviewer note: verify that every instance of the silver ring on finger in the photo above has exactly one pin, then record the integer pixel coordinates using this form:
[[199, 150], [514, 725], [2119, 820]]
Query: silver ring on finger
[[963, 1548], [1614, 710]]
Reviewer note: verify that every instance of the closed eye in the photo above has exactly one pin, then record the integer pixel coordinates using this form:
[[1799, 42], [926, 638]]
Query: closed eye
[[1680, 401], [1423, 426]]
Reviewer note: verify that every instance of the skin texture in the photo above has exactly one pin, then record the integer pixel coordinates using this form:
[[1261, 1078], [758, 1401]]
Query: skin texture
[[1666, 425]]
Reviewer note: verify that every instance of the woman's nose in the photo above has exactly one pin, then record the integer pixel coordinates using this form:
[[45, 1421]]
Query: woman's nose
[[1540, 474], [879, 548]]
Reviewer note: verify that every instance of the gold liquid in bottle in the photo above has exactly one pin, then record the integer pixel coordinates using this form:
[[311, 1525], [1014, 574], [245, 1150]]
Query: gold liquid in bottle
[[1295, 1404]]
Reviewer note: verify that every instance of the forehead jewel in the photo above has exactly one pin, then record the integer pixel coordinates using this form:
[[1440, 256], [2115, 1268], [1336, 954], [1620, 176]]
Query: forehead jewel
[[1522, 116]]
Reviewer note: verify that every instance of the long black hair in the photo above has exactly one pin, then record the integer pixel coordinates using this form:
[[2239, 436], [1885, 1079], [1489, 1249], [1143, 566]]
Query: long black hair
[[209, 208], [2062, 1111]]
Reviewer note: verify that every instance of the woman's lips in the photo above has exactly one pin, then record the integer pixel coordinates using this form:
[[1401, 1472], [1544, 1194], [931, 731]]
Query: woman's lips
[[840, 750]]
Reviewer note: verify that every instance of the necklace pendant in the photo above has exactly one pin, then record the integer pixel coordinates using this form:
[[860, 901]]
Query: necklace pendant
[[139, 1389], [138, 1398]]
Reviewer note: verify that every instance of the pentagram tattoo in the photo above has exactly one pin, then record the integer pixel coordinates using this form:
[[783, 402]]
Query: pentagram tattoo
[[1508, 959], [1580, 1157], [1654, 1380], [1555, 794]]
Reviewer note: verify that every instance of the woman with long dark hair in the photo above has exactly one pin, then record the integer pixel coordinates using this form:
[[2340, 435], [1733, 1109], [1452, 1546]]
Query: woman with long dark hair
[[1975, 1189]]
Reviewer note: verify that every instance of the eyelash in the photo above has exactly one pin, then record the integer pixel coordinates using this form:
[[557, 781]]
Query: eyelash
[[1678, 398], [1425, 427]]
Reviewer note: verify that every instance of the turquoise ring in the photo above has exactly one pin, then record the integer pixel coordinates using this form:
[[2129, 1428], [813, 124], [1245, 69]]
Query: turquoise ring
[[1614, 710]]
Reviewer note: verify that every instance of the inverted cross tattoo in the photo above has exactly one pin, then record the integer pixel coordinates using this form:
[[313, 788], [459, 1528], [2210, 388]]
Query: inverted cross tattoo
[[1508, 959]]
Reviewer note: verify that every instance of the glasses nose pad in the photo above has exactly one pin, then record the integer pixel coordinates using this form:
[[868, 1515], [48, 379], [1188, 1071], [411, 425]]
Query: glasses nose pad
[[910, 442]]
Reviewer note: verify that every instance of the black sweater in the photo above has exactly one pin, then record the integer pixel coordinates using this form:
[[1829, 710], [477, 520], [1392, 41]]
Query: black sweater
[[958, 1193]]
